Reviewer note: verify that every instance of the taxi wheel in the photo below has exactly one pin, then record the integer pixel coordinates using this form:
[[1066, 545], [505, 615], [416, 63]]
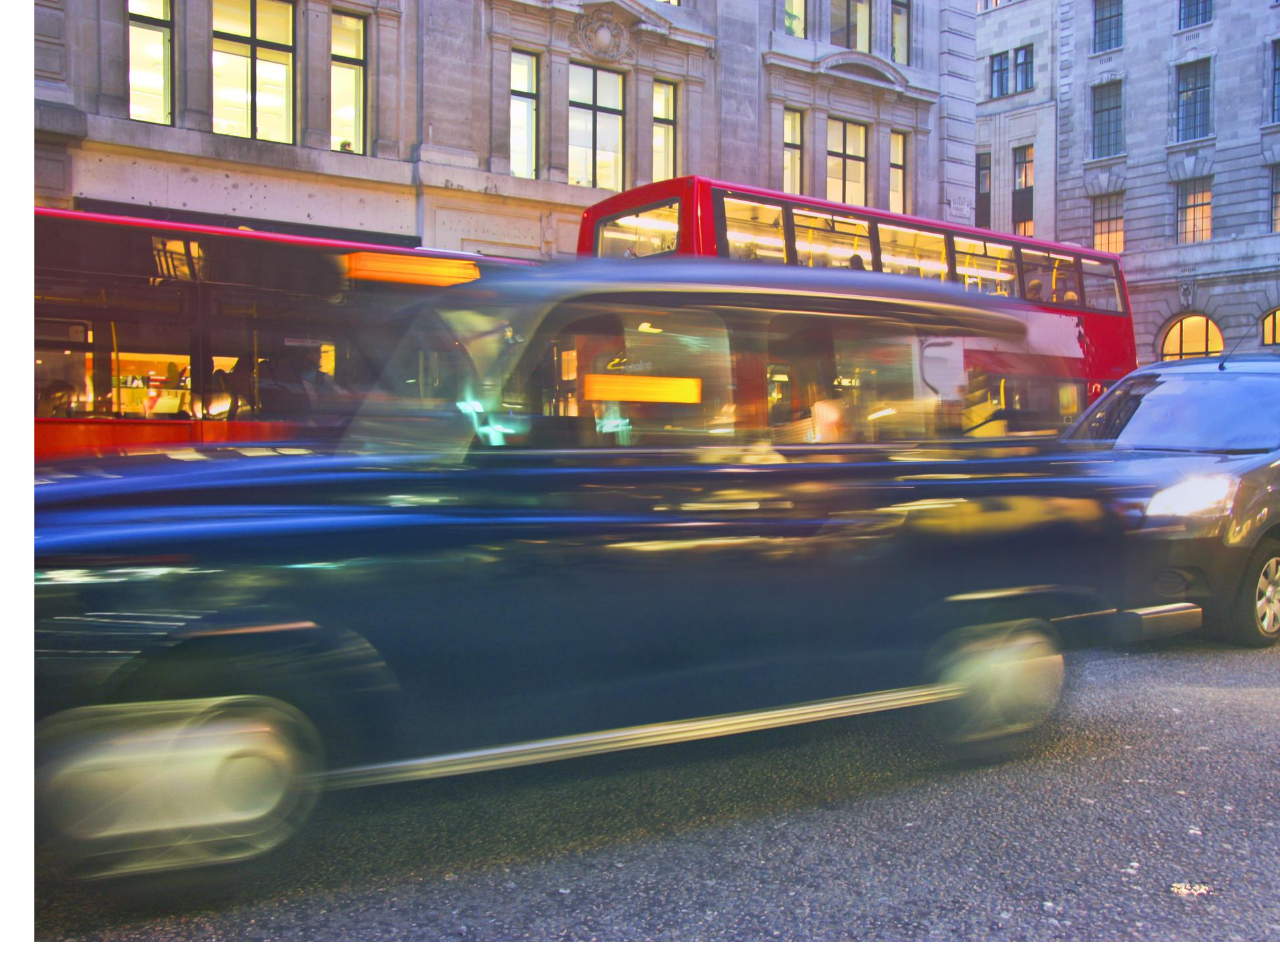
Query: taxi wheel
[[1008, 679], [141, 788], [1255, 620]]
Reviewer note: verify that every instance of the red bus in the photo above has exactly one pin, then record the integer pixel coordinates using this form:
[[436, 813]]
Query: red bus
[[152, 333], [1073, 301]]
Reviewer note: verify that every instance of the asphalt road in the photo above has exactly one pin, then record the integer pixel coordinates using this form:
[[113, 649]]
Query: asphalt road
[[1147, 810]]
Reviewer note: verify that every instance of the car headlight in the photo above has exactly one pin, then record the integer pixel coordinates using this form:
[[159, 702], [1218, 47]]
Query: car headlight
[[1206, 496]]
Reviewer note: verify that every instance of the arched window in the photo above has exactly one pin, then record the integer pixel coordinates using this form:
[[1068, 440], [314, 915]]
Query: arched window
[[1194, 336], [1271, 328]]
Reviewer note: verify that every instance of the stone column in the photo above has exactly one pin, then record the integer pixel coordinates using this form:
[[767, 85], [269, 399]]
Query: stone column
[[955, 117], [113, 59], [642, 170], [689, 135], [312, 52], [557, 111], [384, 86], [500, 109], [193, 51]]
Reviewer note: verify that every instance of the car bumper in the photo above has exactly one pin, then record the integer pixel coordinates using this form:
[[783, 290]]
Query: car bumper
[[1133, 625]]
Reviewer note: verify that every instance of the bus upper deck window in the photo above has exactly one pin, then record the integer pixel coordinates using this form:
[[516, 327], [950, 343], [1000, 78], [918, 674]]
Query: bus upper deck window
[[640, 233], [829, 240], [1101, 285], [753, 231], [1050, 277], [913, 253], [986, 267]]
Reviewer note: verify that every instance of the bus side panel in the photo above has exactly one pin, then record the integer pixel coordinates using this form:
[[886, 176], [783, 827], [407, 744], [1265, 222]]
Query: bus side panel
[[247, 431], [56, 437], [698, 236], [1110, 352]]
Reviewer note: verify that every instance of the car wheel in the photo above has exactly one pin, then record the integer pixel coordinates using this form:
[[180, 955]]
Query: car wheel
[[1255, 621], [1007, 680], [135, 788]]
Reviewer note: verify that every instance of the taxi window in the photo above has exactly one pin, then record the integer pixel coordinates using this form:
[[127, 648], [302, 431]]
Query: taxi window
[[621, 377]]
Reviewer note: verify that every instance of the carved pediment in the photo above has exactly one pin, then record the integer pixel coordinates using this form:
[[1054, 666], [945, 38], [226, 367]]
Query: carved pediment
[[863, 66]]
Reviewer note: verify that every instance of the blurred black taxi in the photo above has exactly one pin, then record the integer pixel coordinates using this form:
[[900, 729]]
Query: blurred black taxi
[[578, 510], [1204, 434]]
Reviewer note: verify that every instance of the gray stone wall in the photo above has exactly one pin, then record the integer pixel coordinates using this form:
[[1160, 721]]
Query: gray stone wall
[[1234, 278], [436, 164]]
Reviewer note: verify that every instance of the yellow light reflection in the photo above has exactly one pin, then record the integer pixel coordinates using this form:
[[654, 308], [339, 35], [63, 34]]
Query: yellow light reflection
[[622, 388], [397, 268]]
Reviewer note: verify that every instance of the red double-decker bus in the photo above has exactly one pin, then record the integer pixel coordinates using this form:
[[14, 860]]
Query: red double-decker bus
[[151, 333], [1073, 301]]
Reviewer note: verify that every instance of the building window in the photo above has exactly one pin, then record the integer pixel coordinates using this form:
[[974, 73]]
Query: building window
[[1271, 327], [999, 74], [1108, 223], [1195, 210], [346, 126], [151, 61], [1194, 336], [982, 188], [1108, 121], [1024, 181], [524, 115], [1192, 13], [793, 13], [595, 127], [664, 130], [901, 32], [253, 69], [1108, 24], [1193, 100], [1275, 81], [846, 162], [792, 150], [1275, 199], [897, 172], [851, 24], [1023, 69]]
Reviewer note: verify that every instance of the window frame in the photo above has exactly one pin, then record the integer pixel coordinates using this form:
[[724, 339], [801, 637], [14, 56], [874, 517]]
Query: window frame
[[253, 43], [999, 67], [1112, 201], [982, 197], [671, 123], [1024, 169], [797, 147], [536, 97], [902, 7], [850, 25], [1024, 70], [1108, 118], [1275, 81], [1200, 96], [1180, 325], [802, 17], [1188, 9], [845, 156], [620, 112], [1108, 28], [363, 64], [1274, 318], [1186, 189], [1275, 199], [898, 166], [171, 73]]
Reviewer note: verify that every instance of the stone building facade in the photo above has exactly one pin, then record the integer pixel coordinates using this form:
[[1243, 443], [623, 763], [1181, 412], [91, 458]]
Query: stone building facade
[[1017, 108], [432, 163], [1168, 129]]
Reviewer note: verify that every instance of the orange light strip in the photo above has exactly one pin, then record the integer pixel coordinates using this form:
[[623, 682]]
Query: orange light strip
[[393, 268], [623, 388]]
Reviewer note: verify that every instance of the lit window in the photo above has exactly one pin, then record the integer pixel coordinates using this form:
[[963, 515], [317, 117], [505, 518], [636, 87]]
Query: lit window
[[913, 253], [753, 230], [640, 233], [792, 150], [1023, 69], [1024, 190], [1108, 223], [150, 63], [524, 115], [1194, 336], [897, 172], [901, 32], [1108, 24], [999, 74], [253, 69], [664, 130], [1195, 210], [793, 13], [982, 187], [1192, 13], [346, 128], [851, 24], [1270, 328], [1108, 121], [846, 162], [1193, 100], [595, 127]]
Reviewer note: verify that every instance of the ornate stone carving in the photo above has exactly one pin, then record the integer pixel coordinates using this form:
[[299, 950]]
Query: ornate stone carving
[[601, 35]]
